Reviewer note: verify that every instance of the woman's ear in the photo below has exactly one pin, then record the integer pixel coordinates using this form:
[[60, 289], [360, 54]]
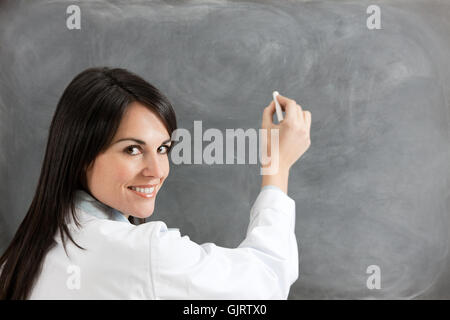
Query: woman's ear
[[84, 175], [87, 169], [88, 166]]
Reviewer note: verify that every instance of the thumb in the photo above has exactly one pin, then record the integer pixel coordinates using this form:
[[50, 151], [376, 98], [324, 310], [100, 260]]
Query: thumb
[[268, 114]]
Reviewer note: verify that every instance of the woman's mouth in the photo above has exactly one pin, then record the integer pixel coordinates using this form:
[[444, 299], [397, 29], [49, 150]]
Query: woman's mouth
[[144, 192]]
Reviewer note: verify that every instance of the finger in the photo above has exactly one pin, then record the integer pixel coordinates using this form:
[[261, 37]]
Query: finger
[[283, 101], [289, 106], [307, 119], [268, 113], [301, 115]]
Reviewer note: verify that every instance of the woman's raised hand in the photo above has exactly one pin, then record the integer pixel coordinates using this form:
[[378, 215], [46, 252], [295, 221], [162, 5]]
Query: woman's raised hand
[[294, 131]]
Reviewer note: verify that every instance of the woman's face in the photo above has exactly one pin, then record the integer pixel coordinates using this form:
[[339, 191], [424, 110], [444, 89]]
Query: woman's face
[[128, 163]]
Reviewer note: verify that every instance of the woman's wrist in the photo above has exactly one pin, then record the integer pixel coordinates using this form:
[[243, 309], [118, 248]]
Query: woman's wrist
[[280, 179]]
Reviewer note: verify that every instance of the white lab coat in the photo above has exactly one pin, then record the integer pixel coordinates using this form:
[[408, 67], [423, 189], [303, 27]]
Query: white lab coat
[[151, 261]]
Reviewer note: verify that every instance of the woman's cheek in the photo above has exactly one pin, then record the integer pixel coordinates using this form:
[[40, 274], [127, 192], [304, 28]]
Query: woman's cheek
[[167, 166], [126, 171]]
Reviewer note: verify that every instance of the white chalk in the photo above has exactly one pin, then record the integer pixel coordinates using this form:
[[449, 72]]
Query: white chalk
[[277, 107]]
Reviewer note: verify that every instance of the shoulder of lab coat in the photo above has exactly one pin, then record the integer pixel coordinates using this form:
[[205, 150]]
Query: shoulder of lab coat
[[151, 261], [263, 266], [115, 265]]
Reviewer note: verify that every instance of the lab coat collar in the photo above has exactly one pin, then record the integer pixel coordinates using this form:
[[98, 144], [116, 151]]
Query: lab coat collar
[[87, 203]]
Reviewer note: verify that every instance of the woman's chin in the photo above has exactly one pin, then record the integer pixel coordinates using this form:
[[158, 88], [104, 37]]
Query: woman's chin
[[142, 215]]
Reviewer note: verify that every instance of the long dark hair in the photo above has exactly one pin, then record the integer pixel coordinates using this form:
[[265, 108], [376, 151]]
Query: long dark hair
[[85, 121]]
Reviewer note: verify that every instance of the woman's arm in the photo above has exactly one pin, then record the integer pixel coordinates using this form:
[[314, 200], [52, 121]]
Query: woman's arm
[[279, 180], [263, 266], [294, 140]]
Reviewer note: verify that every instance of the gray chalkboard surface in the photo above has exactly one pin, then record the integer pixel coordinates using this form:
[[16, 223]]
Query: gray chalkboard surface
[[371, 190]]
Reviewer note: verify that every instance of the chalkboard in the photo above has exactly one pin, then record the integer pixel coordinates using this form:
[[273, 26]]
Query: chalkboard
[[371, 192]]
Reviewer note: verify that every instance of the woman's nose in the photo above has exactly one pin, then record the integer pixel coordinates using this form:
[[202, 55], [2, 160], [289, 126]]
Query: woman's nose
[[154, 167]]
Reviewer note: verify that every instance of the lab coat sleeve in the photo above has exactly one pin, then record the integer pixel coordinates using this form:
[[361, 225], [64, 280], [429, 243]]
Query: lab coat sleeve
[[263, 266]]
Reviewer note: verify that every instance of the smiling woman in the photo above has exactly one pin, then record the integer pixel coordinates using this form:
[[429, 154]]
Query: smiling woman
[[99, 106], [105, 162], [128, 176]]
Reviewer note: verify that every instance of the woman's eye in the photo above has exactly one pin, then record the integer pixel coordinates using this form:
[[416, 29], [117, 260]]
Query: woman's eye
[[132, 148], [166, 148]]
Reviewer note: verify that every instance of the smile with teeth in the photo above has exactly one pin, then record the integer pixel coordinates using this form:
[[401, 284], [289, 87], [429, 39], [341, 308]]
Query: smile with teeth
[[143, 192]]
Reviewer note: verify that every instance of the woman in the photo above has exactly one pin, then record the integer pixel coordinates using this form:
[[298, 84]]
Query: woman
[[106, 159]]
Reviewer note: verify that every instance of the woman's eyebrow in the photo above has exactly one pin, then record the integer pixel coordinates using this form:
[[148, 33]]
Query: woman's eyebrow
[[140, 141]]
